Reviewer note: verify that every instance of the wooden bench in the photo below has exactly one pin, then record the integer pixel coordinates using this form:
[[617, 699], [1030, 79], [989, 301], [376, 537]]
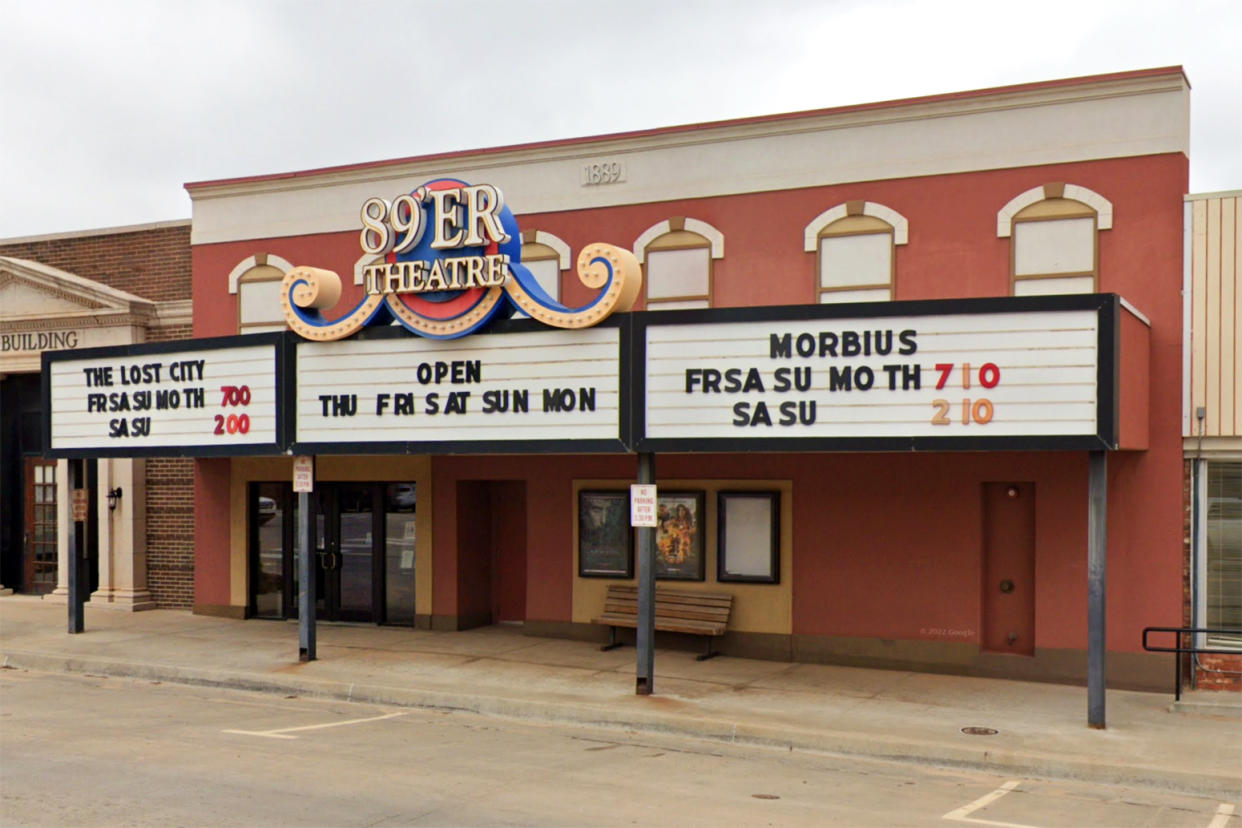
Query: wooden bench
[[676, 610]]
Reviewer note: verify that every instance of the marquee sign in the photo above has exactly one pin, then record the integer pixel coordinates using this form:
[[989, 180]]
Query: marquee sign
[[531, 389], [447, 261], [850, 378], [983, 374], [190, 398]]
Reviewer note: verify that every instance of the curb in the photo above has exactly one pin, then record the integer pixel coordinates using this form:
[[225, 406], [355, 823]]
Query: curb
[[841, 743]]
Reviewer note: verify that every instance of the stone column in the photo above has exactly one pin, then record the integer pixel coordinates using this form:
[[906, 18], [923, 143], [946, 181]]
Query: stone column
[[123, 537], [64, 525]]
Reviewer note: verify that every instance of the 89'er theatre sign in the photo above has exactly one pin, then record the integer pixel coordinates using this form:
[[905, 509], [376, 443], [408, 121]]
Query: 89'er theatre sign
[[882, 382]]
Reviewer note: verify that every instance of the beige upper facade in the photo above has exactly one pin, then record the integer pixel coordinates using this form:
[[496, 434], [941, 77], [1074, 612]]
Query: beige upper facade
[[1212, 420], [1108, 116]]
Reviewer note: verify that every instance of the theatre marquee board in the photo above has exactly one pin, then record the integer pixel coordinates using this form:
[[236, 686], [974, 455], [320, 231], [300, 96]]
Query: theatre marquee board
[[190, 398], [524, 388], [1008, 373]]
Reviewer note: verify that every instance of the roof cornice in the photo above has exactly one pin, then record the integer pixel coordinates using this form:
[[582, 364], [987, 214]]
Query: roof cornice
[[1022, 96]]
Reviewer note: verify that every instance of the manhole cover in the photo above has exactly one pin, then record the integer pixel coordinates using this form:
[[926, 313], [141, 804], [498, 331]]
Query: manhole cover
[[980, 731]]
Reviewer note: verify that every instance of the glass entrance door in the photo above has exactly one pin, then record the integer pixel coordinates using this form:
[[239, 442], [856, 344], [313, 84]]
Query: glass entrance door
[[347, 545], [363, 543], [40, 562]]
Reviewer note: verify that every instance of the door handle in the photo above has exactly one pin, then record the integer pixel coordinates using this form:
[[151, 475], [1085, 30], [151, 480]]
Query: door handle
[[1006, 586]]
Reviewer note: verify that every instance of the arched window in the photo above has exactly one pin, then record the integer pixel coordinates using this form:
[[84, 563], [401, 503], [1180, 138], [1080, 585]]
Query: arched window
[[545, 256], [256, 281], [677, 256], [1054, 246], [855, 245]]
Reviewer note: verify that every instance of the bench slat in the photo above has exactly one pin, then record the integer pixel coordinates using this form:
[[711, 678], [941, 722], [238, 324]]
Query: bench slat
[[676, 610]]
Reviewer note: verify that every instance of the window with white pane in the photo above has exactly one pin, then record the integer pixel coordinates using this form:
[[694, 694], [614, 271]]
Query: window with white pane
[[1220, 539], [855, 246], [677, 257], [545, 256], [257, 281], [856, 261], [1054, 232]]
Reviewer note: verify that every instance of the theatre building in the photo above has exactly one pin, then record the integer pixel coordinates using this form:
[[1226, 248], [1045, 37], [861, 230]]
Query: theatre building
[[73, 292], [898, 367]]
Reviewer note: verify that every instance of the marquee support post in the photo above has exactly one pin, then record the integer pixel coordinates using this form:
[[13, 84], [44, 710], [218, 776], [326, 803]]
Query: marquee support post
[[645, 637], [77, 551], [1097, 558], [306, 582]]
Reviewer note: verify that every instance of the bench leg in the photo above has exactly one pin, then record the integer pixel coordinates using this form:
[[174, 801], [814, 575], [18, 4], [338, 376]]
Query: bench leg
[[708, 652], [613, 643]]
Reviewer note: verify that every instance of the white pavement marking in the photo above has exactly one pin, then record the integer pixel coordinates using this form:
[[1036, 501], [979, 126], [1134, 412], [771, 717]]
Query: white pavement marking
[[1223, 812], [280, 732], [963, 814]]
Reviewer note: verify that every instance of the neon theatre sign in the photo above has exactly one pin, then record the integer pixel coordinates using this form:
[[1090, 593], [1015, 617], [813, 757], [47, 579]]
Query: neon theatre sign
[[447, 260]]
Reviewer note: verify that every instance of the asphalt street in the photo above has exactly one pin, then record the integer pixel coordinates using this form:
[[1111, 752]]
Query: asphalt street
[[96, 750]]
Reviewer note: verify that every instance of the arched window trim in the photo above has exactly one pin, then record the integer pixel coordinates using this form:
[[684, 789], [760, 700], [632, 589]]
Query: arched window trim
[[712, 241], [549, 240], [888, 223], [239, 278], [257, 260], [1091, 205], [560, 256], [1074, 192], [715, 239], [894, 219]]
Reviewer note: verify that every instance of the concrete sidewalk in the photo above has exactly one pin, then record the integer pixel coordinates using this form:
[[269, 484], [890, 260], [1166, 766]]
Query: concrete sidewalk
[[1041, 728]]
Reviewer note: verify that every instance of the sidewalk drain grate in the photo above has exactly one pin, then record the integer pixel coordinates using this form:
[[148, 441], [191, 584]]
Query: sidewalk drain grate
[[765, 796], [980, 731]]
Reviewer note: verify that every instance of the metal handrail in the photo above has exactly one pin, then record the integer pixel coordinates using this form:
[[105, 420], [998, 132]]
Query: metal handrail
[[1180, 650]]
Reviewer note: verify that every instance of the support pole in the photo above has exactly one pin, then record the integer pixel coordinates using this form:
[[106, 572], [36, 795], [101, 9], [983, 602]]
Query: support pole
[[77, 551], [1097, 555], [306, 582], [645, 537]]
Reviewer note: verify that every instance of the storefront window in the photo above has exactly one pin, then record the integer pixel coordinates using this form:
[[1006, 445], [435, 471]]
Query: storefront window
[[1223, 587], [269, 573], [399, 553], [43, 546]]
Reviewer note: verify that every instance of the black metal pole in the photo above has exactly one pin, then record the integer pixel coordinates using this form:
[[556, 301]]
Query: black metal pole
[[645, 536], [77, 545], [1177, 670], [306, 582], [1097, 557]]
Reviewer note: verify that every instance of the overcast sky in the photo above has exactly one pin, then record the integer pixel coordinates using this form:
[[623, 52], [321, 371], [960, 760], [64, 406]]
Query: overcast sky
[[108, 107]]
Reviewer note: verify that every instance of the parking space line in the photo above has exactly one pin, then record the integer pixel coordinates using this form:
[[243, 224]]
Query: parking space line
[[963, 814], [1223, 812], [282, 733]]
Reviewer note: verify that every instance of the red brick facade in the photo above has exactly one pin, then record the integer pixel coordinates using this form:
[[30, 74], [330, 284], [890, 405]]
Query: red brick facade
[[153, 263], [170, 531]]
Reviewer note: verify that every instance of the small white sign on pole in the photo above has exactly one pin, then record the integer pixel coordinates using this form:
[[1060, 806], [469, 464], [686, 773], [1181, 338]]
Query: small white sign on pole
[[643, 504], [303, 473]]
